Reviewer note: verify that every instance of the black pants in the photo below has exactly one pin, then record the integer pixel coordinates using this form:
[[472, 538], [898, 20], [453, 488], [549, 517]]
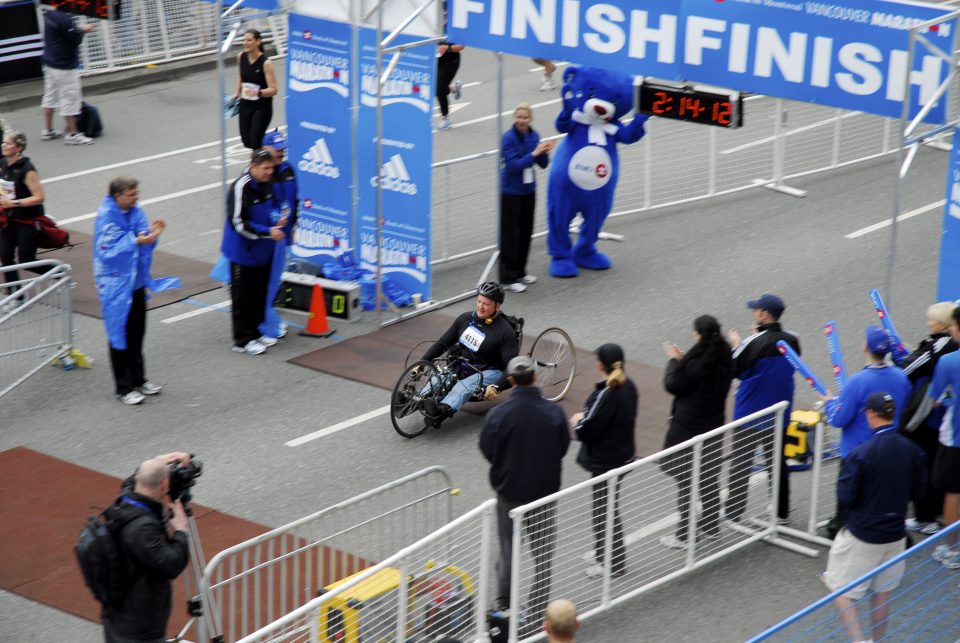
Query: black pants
[[618, 549], [109, 636], [128, 369], [18, 244], [445, 74], [745, 441], [248, 292], [931, 505], [540, 530], [681, 470], [254, 117], [516, 228]]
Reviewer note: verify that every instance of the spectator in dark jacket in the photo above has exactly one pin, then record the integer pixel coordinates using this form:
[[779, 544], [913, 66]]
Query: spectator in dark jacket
[[699, 381], [524, 440], [877, 480], [921, 422], [605, 429], [61, 75], [156, 551]]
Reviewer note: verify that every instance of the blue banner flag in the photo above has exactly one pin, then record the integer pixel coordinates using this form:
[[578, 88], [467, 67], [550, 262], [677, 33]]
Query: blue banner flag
[[407, 100], [948, 283], [850, 54], [319, 135]]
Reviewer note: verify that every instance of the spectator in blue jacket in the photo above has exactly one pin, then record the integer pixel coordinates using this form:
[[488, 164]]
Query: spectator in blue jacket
[[878, 479], [250, 230], [61, 75], [521, 149], [287, 195], [766, 378], [845, 411]]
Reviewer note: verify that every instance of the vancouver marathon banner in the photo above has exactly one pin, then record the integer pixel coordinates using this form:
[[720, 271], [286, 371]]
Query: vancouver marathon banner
[[845, 53]]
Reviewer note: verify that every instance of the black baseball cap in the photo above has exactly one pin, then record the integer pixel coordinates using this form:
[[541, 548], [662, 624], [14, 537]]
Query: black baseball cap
[[768, 302], [881, 403]]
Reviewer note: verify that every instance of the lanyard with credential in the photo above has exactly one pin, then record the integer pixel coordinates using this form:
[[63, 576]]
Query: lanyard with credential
[[136, 503]]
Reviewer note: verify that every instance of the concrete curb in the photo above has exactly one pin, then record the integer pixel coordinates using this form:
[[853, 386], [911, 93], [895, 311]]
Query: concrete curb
[[29, 92]]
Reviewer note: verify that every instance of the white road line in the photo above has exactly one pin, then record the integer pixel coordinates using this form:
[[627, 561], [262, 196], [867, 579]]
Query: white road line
[[902, 217], [346, 424], [156, 199], [507, 113], [194, 313], [104, 168], [789, 132]]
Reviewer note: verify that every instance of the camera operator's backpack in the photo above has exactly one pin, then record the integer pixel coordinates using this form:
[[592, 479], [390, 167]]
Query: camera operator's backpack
[[101, 559]]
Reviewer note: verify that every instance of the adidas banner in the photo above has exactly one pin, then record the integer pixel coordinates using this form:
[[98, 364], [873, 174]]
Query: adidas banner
[[319, 136], [404, 175]]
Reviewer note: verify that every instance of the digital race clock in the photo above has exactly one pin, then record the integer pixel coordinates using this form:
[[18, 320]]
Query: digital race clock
[[694, 103]]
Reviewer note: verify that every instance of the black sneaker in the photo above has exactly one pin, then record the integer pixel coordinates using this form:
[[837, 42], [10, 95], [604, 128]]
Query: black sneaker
[[430, 408]]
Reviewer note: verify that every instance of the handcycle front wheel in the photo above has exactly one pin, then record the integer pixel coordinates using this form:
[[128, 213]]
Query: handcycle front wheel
[[555, 359], [406, 403]]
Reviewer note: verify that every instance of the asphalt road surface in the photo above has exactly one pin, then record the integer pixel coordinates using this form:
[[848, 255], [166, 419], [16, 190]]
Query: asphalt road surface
[[237, 412]]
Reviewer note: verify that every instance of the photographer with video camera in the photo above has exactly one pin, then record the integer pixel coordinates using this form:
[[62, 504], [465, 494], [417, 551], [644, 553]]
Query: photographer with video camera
[[151, 533]]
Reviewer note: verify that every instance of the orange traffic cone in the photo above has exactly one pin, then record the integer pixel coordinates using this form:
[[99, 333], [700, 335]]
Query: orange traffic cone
[[317, 323]]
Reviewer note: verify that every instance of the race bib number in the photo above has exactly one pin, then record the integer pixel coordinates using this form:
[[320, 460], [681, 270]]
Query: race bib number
[[472, 337], [590, 168], [7, 190], [249, 91]]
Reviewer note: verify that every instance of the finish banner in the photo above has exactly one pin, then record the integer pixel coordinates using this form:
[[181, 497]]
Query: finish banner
[[850, 54], [319, 136], [948, 283], [407, 151]]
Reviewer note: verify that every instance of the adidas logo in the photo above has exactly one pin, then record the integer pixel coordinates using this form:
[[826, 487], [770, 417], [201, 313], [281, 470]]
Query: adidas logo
[[395, 177], [317, 160]]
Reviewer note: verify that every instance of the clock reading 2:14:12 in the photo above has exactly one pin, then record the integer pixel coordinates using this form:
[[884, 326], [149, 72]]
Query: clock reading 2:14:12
[[694, 104]]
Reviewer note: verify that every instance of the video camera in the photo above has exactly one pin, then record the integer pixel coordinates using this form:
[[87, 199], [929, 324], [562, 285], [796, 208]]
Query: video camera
[[183, 477]]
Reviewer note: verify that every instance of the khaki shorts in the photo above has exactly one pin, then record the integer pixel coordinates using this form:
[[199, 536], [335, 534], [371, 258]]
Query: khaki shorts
[[61, 90], [850, 558]]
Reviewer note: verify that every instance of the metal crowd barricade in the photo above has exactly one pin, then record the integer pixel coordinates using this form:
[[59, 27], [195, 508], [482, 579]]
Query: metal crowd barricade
[[36, 322], [723, 474], [922, 608], [257, 581], [435, 587]]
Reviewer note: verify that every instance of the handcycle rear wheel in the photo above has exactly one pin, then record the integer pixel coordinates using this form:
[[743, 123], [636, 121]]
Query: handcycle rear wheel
[[406, 403], [555, 358]]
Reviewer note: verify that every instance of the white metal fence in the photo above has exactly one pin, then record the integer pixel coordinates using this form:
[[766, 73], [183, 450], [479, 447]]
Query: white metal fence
[[435, 587], [255, 582], [654, 520], [922, 608], [154, 31], [36, 324]]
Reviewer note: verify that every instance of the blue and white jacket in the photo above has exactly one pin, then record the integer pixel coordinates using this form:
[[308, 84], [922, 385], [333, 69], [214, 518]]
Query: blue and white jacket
[[765, 375], [246, 231]]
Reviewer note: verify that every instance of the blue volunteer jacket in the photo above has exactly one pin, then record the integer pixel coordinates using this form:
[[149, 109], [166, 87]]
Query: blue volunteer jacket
[[517, 155], [120, 265], [765, 375], [846, 411], [286, 194], [878, 479], [246, 231]]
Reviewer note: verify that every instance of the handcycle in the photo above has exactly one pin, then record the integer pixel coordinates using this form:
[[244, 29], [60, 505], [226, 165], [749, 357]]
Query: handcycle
[[552, 352]]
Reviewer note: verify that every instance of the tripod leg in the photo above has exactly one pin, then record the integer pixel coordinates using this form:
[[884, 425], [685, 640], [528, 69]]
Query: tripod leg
[[200, 603]]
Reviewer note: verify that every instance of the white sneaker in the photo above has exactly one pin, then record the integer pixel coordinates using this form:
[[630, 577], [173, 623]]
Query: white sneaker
[[517, 287], [253, 347], [925, 528], [548, 85], [132, 398], [942, 553], [283, 330], [149, 388], [457, 90], [672, 542], [444, 124], [529, 279], [77, 139], [597, 570], [268, 341], [50, 134]]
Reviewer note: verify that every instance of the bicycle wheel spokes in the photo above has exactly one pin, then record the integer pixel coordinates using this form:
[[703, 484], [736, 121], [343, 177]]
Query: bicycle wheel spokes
[[406, 403], [556, 362]]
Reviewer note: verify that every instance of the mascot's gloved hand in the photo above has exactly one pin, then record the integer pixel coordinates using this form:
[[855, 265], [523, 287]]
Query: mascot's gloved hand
[[634, 131]]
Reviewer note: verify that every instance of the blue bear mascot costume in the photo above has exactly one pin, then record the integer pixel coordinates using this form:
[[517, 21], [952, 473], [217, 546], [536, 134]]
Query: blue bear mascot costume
[[583, 175]]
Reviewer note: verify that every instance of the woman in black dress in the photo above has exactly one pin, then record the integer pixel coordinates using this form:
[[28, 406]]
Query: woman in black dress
[[699, 381], [21, 198], [256, 87]]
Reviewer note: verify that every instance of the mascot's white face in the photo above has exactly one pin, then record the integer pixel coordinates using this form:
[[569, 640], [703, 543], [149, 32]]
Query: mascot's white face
[[600, 112]]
